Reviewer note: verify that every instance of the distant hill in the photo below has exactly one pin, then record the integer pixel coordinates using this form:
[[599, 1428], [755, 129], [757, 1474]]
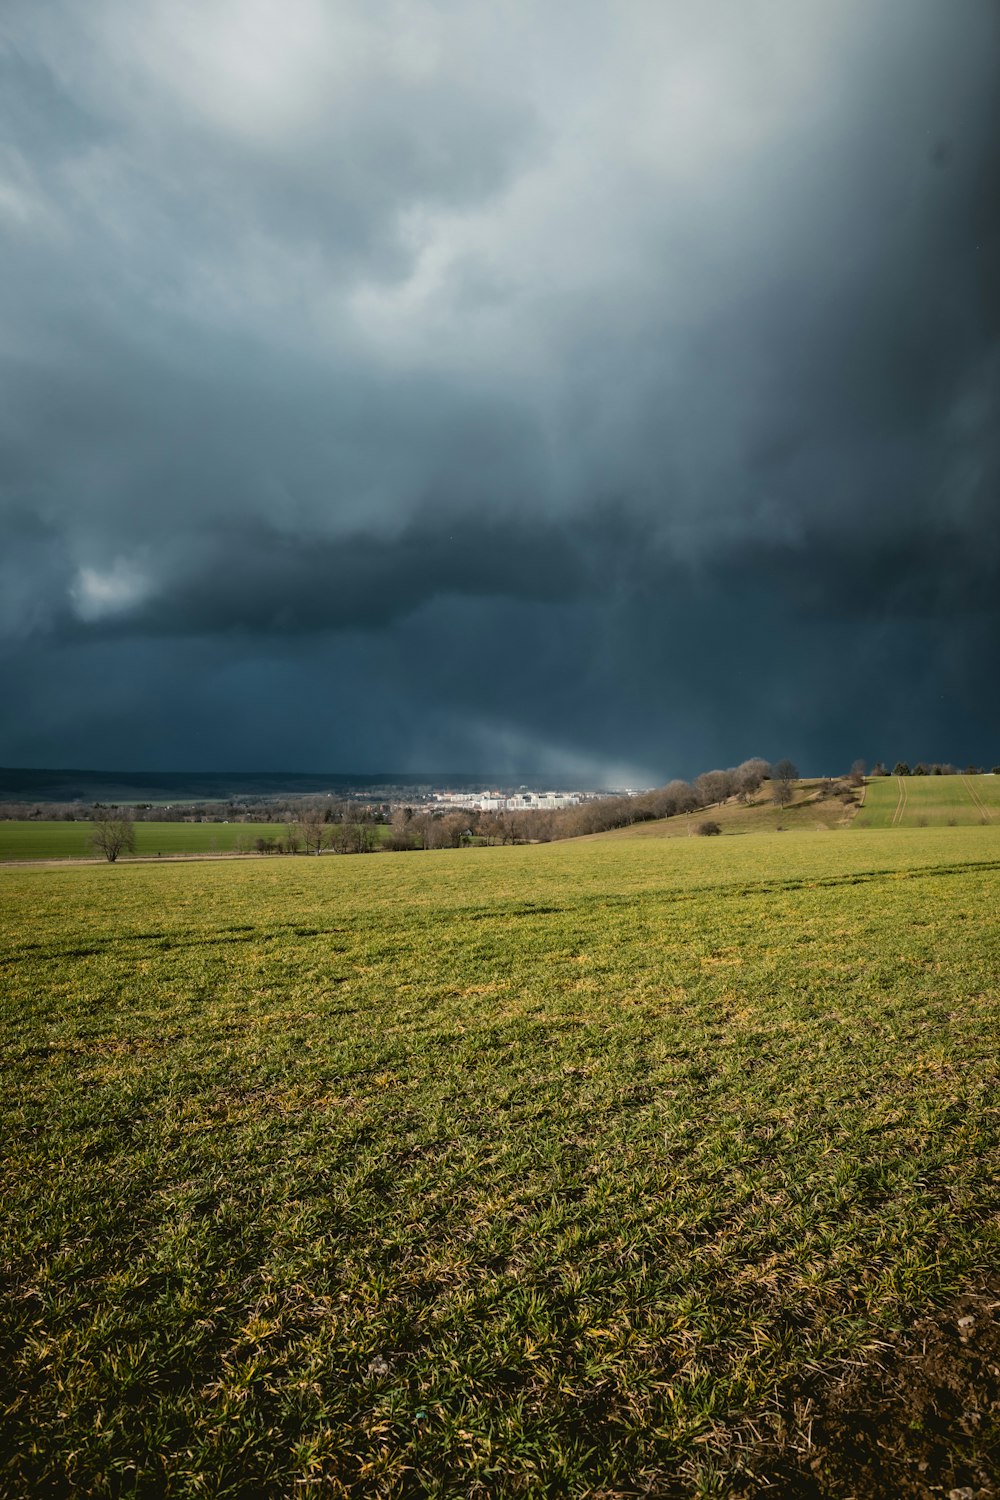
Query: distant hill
[[808, 809]]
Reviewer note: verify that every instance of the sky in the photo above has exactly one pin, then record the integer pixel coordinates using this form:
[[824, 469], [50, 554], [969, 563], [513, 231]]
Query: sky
[[607, 390]]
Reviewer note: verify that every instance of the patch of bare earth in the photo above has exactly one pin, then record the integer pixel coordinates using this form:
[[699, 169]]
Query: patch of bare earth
[[924, 1422]]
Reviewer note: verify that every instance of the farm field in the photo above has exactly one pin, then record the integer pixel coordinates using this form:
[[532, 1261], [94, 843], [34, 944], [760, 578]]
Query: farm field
[[929, 801], [533, 1171], [60, 840]]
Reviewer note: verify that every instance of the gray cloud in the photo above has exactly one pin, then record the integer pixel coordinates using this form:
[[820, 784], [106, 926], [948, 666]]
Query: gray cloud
[[360, 345]]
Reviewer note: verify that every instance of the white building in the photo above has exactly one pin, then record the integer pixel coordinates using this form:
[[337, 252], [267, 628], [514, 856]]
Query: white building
[[495, 801]]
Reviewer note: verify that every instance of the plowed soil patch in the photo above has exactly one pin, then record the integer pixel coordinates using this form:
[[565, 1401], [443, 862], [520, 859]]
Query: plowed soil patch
[[925, 1422]]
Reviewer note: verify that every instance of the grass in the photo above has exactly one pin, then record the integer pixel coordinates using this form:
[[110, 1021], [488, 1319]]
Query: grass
[[61, 840], [535, 1171], [930, 801]]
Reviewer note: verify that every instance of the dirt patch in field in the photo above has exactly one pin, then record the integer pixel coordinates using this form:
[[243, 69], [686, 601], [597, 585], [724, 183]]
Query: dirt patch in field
[[924, 1422]]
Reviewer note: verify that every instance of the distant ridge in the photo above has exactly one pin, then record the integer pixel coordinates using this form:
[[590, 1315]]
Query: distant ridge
[[22, 784]]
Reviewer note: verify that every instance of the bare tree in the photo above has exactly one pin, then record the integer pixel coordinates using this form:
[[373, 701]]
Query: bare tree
[[857, 776], [713, 786], [314, 831], [355, 838], [783, 778], [403, 835], [508, 823], [454, 827], [490, 827], [679, 797], [113, 836]]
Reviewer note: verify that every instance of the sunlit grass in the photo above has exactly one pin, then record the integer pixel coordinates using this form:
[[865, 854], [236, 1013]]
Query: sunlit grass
[[522, 1171]]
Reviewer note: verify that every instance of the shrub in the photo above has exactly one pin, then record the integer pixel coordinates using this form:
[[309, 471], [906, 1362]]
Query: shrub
[[708, 828]]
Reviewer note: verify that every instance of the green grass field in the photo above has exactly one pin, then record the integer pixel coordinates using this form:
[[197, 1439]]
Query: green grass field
[[535, 1171], [929, 801], [56, 840]]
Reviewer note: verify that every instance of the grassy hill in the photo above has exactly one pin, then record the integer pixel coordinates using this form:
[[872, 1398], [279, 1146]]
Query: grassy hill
[[929, 801], [533, 1171], [808, 810], [887, 802]]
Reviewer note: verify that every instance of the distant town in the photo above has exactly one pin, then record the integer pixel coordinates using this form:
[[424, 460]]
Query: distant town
[[518, 801]]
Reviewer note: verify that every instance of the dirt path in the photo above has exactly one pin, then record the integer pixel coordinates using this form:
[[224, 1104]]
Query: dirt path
[[977, 800], [897, 816]]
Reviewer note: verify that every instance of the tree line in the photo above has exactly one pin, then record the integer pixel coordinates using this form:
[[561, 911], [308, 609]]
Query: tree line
[[929, 768]]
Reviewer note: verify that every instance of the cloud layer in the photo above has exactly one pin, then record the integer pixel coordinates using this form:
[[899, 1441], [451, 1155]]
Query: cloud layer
[[527, 386]]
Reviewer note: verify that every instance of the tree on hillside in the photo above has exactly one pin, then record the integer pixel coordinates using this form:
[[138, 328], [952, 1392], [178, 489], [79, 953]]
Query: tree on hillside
[[901, 768], [857, 775], [783, 778], [113, 836], [714, 786], [748, 777]]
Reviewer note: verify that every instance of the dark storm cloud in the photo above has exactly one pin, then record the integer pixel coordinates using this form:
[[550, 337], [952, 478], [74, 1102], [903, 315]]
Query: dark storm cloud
[[261, 580], [608, 345]]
